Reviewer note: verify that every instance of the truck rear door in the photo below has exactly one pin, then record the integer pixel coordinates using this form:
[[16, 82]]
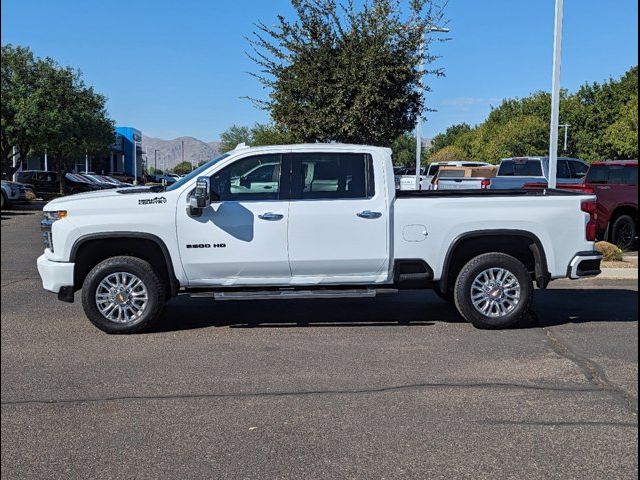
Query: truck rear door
[[338, 219]]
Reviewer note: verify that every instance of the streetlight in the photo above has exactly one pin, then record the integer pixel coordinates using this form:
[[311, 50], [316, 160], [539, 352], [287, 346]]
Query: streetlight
[[555, 96], [419, 118]]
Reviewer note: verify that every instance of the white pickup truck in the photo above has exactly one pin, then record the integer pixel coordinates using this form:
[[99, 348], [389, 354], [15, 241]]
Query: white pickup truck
[[310, 221]]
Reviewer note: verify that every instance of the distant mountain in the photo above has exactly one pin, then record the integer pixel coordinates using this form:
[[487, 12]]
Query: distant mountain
[[169, 152]]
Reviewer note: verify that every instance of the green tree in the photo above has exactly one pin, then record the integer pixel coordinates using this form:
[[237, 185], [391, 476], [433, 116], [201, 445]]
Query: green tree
[[602, 119], [234, 135], [259, 134], [339, 73], [622, 135], [45, 106], [270, 134], [18, 86], [450, 136], [450, 153], [182, 168], [404, 150]]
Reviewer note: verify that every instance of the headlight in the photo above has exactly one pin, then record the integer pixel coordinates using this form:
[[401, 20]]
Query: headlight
[[45, 226], [55, 215]]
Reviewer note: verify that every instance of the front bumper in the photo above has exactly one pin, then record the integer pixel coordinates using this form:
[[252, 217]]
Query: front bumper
[[584, 264], [55, 275]]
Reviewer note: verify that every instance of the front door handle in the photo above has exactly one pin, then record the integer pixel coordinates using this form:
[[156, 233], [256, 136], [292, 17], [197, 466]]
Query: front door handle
[[271, 216], [369, 214]]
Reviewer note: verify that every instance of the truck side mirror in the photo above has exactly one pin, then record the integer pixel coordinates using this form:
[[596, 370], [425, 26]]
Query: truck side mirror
[[201, 197]]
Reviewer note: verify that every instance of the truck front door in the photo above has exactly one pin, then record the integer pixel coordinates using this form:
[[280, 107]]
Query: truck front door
[[241, 238]]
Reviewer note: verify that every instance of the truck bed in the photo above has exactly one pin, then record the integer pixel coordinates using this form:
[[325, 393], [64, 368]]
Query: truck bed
[[514, 192]]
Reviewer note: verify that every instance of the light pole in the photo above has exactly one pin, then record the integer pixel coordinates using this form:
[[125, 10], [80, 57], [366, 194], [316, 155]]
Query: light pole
[[419, 117], [155, 161], [86, 161], [566, 134], [46, 163], [555, 96]]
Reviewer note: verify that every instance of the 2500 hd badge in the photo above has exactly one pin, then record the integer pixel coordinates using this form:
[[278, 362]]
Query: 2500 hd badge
[[206, 245]]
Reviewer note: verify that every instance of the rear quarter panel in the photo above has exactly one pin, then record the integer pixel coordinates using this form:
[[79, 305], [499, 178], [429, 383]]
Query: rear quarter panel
[[557, 221]]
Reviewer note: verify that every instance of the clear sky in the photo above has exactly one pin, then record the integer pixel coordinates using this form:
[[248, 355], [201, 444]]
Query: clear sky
[[177, 67]]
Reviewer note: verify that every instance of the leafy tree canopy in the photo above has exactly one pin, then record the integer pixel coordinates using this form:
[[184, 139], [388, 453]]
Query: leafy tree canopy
[[182, 168], [603, 119], [338, 72], [46, 106], [259, 134]]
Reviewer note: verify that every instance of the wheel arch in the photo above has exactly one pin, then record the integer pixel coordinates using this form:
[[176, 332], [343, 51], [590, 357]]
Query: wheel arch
[[91, 249], [518, 243], [624, 209]]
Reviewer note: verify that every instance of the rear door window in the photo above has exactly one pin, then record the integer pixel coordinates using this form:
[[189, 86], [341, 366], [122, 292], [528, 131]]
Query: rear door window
[[578, 169], [598, 174], [563, 169], [331, 176], [621, 175], [520, 168]]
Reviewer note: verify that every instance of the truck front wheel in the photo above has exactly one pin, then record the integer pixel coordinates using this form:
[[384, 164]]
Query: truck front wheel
[[122, 295], [494, 290]]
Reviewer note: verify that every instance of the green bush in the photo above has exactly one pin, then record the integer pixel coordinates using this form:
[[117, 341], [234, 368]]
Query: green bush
[[610, 251]]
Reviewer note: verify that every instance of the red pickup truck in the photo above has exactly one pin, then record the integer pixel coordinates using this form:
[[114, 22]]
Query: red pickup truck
[[615, 183]]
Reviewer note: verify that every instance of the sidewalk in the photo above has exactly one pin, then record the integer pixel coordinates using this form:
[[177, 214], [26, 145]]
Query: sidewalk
[[613, 270]]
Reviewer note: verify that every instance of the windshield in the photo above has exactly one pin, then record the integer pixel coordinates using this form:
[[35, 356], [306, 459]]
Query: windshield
[[433, 170], [196, 172], [520, 168]]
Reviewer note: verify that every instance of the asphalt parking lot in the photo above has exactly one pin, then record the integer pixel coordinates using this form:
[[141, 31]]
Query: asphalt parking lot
[[394, 387]]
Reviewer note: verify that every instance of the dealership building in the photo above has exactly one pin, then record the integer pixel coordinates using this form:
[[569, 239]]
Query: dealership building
[[125, 152]]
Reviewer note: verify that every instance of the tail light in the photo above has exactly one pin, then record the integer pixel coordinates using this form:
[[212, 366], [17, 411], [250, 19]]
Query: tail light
[[590, 207], [485, 183]]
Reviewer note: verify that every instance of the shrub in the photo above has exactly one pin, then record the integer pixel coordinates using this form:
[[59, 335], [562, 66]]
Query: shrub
[[610, 251]]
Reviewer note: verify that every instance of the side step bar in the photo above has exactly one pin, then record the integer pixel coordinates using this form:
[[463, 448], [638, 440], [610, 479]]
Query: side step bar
[[298, 294]]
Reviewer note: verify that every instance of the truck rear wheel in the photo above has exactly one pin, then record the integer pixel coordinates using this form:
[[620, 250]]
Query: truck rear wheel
[[494, 290], [122, 295]]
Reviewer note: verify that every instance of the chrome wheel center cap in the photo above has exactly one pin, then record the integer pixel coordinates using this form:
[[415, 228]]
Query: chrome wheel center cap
[[121, 297], [495, 292]]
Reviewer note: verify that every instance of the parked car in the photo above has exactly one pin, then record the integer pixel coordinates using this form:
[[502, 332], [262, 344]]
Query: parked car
[[515, 172], [13, 192], [461, 178], [10, 193], [130, 250], [166, 179], [101, 181], [43, 181], [408, 180], [110, 180], [615, 184], [76, 183], [122, 177]]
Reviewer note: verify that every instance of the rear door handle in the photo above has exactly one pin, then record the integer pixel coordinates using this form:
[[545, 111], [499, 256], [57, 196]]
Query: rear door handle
[[271, 216], [369, 214]]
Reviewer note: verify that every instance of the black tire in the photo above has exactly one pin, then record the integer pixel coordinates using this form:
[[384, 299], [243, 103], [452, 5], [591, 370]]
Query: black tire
[[623, 232], [5, 203], [463, 288], [132, 265]]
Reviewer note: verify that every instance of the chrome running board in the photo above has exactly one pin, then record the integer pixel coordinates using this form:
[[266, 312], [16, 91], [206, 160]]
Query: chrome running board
[[299, 294]]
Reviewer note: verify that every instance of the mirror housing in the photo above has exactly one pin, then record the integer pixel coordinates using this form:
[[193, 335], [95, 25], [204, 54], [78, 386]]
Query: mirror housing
[[201, 197]]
